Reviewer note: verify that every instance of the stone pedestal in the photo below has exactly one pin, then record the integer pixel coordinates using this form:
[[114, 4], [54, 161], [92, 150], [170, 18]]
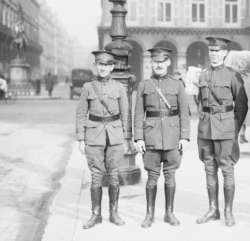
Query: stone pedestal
[[19, 77], [19, 71]]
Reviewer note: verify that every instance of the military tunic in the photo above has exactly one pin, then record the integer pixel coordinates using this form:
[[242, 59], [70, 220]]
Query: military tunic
[[218, 130], [228, 86], [103, 140], [161, 134]]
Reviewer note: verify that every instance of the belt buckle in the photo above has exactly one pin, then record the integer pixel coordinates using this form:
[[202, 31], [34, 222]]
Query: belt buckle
[[104, 119], [213, 111], [162, 115]]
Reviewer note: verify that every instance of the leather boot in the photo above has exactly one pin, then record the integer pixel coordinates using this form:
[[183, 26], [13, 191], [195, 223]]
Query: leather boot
[[150, 196], [229, 196], [213, 212], [113, 205], [169, 206], [96, 199]]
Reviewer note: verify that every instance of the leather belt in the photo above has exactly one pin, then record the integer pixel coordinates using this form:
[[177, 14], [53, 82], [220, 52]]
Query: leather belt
[[217, 109], [104, 118], [162, 113]]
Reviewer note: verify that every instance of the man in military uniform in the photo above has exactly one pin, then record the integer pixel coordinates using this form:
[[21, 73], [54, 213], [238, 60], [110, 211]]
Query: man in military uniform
[[101, 126], [223, 110], [162, 129]]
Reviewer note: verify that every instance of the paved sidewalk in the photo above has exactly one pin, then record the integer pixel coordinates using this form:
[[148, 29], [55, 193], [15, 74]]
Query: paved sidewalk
[[72, 207]]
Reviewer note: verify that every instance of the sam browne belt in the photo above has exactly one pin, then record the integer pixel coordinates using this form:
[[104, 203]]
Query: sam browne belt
[[162, 113], [104, 118], [217, 109]]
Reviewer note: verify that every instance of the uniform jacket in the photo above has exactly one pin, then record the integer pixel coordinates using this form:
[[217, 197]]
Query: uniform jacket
[[95, 133], [228, 86], [161, 133]]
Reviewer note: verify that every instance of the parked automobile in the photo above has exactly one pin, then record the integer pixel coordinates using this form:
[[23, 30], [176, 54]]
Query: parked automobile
[[78, 78]]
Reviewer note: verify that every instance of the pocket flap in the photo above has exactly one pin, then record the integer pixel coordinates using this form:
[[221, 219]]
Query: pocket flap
[[92, 96], [149, 123], [171, 91], [227, 115], [116, 123], [222, 83], [92, 124], [203, 84], [113, 95]]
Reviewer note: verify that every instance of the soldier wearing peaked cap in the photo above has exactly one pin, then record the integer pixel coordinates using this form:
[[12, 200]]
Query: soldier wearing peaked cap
[[223, 110], [101, 127], [161, 131]]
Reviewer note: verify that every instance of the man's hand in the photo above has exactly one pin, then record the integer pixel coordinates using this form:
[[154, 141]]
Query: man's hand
[[183, 144], [140, 145], [82, 147]]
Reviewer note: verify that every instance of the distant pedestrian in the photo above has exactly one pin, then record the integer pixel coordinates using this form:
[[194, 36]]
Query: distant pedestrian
[[101, 127], [223, 110], [177, 75], [49, 83], [192, 82], [3, 87]]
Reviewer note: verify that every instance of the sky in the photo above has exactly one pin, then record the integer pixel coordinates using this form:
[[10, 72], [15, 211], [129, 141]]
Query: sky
[[80, 17]]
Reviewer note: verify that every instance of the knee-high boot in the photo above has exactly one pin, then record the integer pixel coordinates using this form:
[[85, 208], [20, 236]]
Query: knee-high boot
[[96, 199], [213, 212], [150, 196], [169, 207], [229, 196], [113, 205]]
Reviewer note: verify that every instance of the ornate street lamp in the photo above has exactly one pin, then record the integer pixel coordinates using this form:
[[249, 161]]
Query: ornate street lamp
[[129, 172]]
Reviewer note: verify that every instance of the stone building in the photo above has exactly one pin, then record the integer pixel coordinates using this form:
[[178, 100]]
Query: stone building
[[180, 25], [8, 11]]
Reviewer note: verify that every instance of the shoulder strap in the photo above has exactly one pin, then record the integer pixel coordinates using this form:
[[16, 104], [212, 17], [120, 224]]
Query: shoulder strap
[[100, 98], [158, 90], [209, 83]]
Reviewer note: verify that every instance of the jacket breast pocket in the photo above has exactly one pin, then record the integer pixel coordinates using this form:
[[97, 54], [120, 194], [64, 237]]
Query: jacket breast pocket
[[93, 101], [223, 90], [150, 97], [113, 99], [171, 95]]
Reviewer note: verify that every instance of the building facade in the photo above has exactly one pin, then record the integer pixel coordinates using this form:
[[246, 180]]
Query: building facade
[[8, 11], [180, 25]]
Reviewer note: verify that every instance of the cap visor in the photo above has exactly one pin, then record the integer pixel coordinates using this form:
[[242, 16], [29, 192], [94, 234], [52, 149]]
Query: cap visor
[[160, 58]]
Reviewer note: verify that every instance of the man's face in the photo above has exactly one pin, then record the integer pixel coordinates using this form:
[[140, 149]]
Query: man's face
[[160, 68], [103, 70], [217, 54]]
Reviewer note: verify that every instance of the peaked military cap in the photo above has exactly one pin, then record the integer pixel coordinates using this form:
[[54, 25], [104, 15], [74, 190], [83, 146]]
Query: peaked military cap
[[160, 54], [218, 41], [104, 57]]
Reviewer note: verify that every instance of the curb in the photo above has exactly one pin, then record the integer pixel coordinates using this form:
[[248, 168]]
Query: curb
[[38, 98]]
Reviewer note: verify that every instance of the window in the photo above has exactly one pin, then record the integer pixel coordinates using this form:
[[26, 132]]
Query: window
[[132, 11], [164, 11], [231, 11], [198, 11]]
